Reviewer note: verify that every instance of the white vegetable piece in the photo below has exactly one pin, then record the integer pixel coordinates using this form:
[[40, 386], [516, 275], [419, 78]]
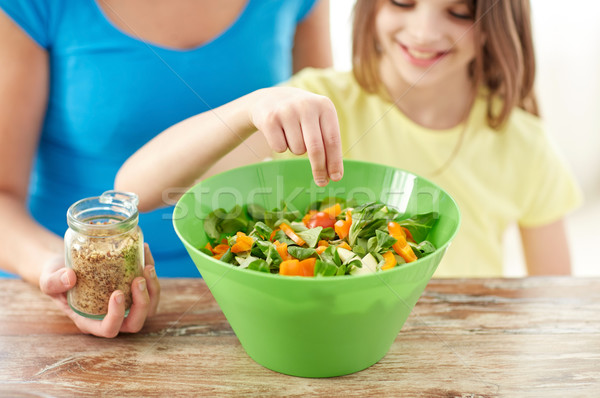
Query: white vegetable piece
[[369, 266]]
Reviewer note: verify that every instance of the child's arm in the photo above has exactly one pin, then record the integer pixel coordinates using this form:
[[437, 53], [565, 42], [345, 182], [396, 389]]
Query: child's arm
[[287, 117], [546, 249]]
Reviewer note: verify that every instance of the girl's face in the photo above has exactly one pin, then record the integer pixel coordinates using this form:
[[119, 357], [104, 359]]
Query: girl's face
[[425, 43]]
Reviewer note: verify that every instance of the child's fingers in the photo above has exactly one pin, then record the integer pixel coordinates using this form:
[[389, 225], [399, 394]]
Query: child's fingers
[[275, 137], [293, 136], [313, 141], [330, 129]]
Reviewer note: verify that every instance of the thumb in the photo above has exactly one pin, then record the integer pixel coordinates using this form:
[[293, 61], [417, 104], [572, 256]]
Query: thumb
[[58, 281]]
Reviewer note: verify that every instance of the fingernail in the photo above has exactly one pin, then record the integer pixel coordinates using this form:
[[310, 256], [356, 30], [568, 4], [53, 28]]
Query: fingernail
[[152, 272], [336, 176], [119, 298], [64, 278], [142, 286], [321, 182]]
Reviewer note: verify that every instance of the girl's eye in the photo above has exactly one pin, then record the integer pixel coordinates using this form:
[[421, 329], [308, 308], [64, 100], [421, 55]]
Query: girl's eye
[[402, 4], [462, 13], [466, 17]]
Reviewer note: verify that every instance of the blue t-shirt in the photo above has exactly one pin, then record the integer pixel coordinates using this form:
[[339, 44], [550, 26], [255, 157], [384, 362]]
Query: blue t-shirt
[[110, 93]]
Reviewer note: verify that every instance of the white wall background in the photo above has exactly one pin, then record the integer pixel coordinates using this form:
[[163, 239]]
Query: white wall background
[[567, 40]]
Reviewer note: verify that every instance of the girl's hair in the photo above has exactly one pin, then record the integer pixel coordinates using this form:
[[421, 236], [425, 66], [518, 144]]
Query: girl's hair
[[504, 63]]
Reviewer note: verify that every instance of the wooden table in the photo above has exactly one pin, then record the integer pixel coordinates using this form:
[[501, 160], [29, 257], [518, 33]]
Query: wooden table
[[532, 337]]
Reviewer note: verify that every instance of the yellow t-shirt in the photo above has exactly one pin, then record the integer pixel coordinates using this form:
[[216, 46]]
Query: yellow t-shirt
[[496, 177]]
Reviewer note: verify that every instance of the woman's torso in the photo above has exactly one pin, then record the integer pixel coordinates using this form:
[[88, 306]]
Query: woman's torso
[[111, 91]]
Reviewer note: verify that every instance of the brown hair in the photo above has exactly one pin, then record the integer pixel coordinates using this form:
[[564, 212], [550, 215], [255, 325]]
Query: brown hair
[[505, 63]]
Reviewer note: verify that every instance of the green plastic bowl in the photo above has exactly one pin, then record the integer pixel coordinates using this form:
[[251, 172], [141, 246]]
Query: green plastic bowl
[[315, 327]]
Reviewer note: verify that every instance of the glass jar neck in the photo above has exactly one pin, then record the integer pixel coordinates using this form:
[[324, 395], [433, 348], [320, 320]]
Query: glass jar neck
[[112, 213]]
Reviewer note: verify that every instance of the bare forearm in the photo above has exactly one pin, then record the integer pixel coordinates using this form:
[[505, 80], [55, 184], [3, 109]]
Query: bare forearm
[[287, 117], [546, 249], [184, 152], [24, 245]]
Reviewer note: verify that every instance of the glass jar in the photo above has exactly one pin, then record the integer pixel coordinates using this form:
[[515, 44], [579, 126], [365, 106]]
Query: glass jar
[[105, 247]]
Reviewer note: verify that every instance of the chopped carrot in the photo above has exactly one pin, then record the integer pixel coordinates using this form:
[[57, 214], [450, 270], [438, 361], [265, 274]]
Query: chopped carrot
[[298, 268], [401, 246], [345, 245], [208, 247], [409, 236], [390, 260], [243, 243], [291, 234], [282, 250], [273, 234], [323, 242], [308, 266], [342, 227], [320, 249], [220, 248], [334, 210], [290, 267]]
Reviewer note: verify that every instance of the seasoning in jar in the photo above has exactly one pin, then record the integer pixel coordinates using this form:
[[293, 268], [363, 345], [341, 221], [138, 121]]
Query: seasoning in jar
[[105, 248]]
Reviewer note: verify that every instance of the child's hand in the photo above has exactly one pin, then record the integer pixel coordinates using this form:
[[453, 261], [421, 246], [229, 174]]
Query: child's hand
[[303, 122]]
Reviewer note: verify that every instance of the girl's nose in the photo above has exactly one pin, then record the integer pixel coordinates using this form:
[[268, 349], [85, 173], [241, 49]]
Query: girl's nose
[[425, 25]]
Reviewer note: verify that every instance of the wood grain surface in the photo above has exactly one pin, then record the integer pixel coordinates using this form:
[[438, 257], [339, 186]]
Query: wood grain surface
[[531, 337]]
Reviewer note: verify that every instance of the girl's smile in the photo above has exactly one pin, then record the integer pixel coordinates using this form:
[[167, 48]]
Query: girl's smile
[[422, 57]]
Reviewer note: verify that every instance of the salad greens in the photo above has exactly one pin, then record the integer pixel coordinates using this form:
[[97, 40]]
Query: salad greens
[[333, 237]]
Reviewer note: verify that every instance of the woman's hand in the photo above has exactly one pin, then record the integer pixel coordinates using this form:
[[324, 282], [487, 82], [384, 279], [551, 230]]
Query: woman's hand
[[56, 280], [303, 122]]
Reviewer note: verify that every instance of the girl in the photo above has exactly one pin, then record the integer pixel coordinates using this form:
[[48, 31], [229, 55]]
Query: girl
[[442, 88]]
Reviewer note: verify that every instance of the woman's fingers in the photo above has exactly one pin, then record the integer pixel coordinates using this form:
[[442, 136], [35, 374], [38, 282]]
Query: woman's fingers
[[139, 309], [55, 278], [152, 283], [107, 327]]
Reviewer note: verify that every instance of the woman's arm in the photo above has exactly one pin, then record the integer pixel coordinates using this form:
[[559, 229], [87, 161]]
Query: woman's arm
[[546, 249], [24, 245], [312, 43], [287, 117], [26, 248]]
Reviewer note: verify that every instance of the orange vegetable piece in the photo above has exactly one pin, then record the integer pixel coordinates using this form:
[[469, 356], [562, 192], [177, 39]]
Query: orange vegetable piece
[[220, 248], [298, 268], [342, 227], [334, 210], [282, 250], [291, 234], [243, 243], [208, 246], [273, 234], [308, 266], [290, 267], [345, 245], [323, 243], [409, 236], [390, 260], [401, 246], [320, 249]]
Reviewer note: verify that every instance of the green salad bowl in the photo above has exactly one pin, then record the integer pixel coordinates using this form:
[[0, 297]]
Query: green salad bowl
[[321, 326]]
